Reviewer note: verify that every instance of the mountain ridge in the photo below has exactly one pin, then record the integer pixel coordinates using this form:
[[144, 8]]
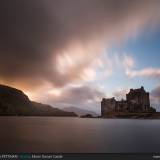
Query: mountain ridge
[[14, 102], [79, 111]]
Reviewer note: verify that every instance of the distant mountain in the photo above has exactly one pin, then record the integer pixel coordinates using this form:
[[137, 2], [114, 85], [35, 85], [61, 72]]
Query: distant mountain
[[15, 102], [79, 111]]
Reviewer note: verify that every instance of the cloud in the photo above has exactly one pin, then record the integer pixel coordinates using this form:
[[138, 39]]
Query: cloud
[[110, 63], [146, 72], [84, 96], [155, 93], [101, 68], [129, 64], [120, 93], [54, 42], [155, 97]]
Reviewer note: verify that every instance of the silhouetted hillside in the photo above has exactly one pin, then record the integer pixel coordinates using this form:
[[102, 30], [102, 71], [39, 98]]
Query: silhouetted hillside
[[15, 102], [46, 110]]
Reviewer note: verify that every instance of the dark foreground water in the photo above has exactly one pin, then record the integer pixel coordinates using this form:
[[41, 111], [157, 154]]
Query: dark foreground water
[[43, 134]]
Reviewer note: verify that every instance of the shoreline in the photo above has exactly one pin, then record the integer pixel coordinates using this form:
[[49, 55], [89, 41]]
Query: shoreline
[[132, 115], [140, 116]]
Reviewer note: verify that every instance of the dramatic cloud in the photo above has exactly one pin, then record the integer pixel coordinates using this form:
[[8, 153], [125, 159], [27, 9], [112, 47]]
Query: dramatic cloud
[[44, 41], [86, 97], [54, 50]]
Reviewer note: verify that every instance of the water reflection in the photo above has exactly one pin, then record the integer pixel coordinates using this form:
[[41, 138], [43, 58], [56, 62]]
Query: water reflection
[[48, 134]]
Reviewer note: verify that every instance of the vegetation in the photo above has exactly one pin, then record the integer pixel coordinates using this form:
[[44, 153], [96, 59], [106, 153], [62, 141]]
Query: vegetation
[[133, 115]]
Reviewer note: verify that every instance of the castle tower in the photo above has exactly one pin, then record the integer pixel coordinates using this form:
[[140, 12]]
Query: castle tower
[[107, 105], [140, 97]]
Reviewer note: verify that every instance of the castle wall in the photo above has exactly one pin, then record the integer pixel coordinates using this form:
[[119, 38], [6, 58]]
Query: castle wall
[[121, 106], [107, 105]]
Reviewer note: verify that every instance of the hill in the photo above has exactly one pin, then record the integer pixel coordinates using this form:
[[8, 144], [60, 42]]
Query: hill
[[79, 111], [14, 102]]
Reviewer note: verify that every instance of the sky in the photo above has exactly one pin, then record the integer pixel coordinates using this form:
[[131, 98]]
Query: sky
[[75, 52]]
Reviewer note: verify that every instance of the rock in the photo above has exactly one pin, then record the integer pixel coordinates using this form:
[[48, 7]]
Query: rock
[[87, 116]]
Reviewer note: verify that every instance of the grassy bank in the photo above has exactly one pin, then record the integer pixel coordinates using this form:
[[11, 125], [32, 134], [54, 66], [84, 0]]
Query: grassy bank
[[132, 115]]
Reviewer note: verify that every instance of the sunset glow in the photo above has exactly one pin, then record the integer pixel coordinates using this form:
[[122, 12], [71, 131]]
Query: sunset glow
[[76, 53]]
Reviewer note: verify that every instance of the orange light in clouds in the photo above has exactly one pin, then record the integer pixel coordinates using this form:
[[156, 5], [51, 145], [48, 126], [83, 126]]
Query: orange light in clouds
[[55, 92], [77, 55]]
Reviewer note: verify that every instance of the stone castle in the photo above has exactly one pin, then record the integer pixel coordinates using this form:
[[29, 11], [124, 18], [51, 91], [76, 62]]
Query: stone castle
[[137, 100]]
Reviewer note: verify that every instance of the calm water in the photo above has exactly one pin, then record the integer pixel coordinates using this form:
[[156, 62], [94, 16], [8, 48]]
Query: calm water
[[41, 134]]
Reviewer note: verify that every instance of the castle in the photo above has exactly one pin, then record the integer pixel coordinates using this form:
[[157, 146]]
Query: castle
[[137, 100]]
